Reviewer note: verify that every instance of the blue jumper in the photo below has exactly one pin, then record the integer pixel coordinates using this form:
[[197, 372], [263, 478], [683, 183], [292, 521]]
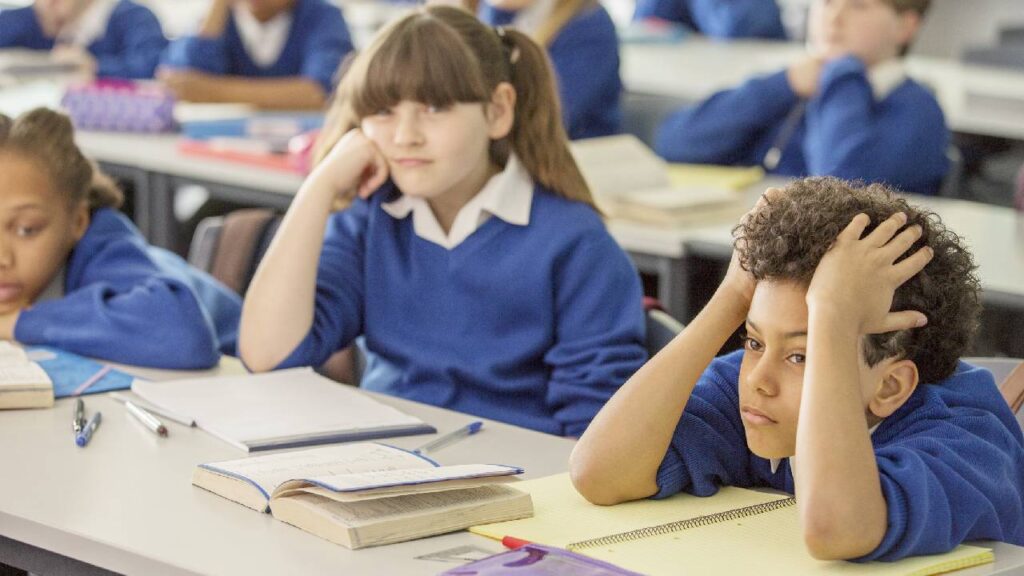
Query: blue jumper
[[318, 41], [534, 325], [585, 55], [844, 131], [130, 47], [128, 302], [718, 18], [951, 459]]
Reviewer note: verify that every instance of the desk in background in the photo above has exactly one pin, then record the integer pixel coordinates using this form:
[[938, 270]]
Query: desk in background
[[977, 100]]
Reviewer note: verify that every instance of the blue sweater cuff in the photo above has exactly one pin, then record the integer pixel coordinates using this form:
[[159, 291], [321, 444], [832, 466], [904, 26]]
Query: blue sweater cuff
[[206, 54], [839, 69], [31, 327], [775, 91], [670, 476]]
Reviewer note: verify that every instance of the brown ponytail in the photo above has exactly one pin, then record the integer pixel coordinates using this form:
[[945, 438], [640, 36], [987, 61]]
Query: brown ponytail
[[48, 139], [443, 55]]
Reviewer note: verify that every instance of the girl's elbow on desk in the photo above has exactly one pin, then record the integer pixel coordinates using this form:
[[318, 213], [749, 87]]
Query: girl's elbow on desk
[[599, 486]]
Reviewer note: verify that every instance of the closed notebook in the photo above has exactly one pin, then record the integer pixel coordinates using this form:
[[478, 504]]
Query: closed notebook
[[631, 182], [23, 383], [367, 494], [281, 409], [737, 531]]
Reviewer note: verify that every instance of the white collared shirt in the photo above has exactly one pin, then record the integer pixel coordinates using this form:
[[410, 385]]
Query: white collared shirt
[[775, 462], [90, 26], [263, 41], [886, 77], [507, 195]]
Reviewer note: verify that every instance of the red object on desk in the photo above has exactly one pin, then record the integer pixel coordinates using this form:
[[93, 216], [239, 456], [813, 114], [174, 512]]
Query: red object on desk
[[513, 543], [283, 162]]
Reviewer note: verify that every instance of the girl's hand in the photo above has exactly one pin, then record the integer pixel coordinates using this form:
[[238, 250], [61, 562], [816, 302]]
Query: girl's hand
[[354, 164], [858, 277]]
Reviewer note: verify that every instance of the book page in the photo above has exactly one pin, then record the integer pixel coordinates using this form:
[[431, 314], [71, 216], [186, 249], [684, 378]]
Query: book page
[[391, 477], [11, 354], [769, 544], [562, 516], [355, 514], [285, 405], [28, 375], [269, 471], [618, 165]]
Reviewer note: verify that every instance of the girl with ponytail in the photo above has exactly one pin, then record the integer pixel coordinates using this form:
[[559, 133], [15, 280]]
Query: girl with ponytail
[[75, 274], [469, 254]]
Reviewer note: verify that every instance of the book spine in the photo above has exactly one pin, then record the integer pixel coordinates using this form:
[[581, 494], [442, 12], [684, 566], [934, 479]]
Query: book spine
[[681, 525]]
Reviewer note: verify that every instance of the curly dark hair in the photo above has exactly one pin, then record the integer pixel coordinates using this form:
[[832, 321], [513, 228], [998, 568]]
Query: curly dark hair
[[786, 239]]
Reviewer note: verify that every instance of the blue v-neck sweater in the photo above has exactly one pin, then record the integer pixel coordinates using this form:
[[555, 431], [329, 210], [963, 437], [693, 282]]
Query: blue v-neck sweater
[[317, 42], [129, 48], [535, 325]]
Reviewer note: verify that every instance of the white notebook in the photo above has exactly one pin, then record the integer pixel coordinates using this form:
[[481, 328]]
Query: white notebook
[[281, 409]]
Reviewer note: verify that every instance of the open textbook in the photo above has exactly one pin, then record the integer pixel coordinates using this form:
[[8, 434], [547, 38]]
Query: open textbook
[[629, 181], [736, 531], [367, 494], [23, 383], [281, 409]]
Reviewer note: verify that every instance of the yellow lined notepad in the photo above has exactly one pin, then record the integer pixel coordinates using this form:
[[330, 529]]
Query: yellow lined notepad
[[736, 531], [711, 176]]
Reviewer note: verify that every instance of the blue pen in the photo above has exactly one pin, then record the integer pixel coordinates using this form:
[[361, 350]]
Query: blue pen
[[453, 436], [86, 434]]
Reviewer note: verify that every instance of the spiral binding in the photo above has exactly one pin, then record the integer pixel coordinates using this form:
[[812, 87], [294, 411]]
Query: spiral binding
[[680, 525]]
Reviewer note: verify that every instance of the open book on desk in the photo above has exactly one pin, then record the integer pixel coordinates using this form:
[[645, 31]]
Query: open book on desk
[[629, 181], [736, 531], [282, 409], [367, 494], [23, 383]]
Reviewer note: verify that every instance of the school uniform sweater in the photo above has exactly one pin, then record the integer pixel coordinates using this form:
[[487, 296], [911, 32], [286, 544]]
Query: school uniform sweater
[[130, 47], [900, 139], [951, 460], [317, 42], [718, 19], [129, 302], [585, 56], [534, 325]]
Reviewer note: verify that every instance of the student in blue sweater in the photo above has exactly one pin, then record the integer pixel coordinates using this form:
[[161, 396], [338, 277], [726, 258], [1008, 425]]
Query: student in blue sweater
[[75, 274], [848, 392], [473, 261], [718, 18], [270, 53], [581, 41], [106, 38], [848, 109]]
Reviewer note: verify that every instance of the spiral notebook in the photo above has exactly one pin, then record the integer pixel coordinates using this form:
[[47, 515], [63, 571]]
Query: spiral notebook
[[737, 531]]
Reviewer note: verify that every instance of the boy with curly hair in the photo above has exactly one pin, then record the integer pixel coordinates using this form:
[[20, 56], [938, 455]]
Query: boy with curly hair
[[849, 392]]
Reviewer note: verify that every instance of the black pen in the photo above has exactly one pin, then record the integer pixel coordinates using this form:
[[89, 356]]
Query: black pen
[[79, 422]]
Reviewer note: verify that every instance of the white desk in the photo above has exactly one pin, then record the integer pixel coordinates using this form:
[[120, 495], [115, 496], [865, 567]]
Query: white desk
[[975, 99], [125, 503]]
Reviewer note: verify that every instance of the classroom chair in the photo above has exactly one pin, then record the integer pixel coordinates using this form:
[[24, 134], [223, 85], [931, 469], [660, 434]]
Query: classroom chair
[[953, 184], [230, 247], [643, 113], [661, 326]]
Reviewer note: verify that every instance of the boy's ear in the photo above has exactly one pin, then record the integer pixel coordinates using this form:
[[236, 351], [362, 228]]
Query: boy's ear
[[899, 380], [910, 23], [501, 112]]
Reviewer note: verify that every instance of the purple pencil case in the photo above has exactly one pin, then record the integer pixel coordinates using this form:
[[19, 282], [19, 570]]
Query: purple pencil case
[[538, 560], [120, 106]]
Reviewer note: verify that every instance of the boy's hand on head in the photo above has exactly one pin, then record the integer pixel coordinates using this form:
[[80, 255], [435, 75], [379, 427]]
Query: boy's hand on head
[[804, 75], [858, 277], [737, 279], [354, 164]]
